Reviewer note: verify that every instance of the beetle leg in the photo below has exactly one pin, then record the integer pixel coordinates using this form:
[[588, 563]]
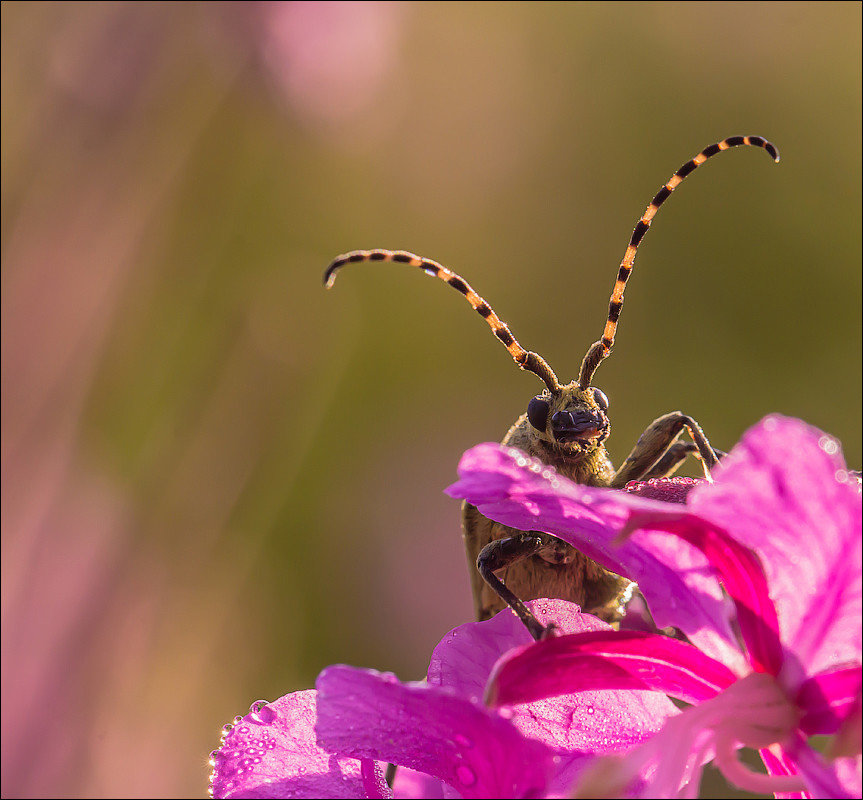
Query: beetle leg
[[658, 441], [502, 553]]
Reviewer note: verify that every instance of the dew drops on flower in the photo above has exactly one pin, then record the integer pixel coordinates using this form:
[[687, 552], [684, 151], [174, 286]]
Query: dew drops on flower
[[465, 775], [829, 445], [463, 741], [261, 713]]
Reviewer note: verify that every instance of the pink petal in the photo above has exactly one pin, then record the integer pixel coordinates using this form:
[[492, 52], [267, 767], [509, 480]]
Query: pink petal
[[827, 699], [374, 780], [839, 778], [669, 490], [674, 577], [574, 725], [272, 753], [743, 578], [463, 659], [478, 752], [412, 785], [784, 491], [781, 764], [607, 660], [661, 766]]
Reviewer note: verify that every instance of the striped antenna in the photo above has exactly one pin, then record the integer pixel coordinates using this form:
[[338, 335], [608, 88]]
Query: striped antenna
[[599, 350], [524, 358]]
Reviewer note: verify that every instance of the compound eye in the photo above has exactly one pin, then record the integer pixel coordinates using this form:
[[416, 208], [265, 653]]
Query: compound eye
[[601, 399], [537, 412]]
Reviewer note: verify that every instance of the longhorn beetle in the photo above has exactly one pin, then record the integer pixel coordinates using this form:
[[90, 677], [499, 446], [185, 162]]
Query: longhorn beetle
[[566, 426]]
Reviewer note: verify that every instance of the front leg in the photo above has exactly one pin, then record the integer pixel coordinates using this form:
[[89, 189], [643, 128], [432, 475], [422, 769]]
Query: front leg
[[674, 457], [502, 553], [656, 441]]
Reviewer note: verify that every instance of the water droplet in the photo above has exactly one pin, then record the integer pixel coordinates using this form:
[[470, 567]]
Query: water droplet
[[261, 712], [521, 461], [465, 775], [506, 712], [463, 740], [590, 709], [769, 424], [829, 445]]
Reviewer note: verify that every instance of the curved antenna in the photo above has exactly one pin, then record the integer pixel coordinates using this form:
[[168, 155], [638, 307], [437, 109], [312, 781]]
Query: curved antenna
[[526, 359], [601, 349]]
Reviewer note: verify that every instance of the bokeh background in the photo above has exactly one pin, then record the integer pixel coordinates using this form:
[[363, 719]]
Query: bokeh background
[[218, 477]]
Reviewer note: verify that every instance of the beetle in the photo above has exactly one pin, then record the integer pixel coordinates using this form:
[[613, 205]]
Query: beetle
[[566, 427]]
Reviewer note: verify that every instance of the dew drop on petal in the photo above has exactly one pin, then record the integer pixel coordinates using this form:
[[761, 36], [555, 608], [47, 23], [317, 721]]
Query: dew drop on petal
[[261, 713], [590, 709], [829, 445], [465, 775], [463, 741]]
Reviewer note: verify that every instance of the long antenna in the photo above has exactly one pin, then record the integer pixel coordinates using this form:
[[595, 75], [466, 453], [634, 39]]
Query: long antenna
[[526, 359], [602, 348]]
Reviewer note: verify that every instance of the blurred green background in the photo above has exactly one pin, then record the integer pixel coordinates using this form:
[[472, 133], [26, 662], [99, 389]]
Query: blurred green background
[[217, 477]]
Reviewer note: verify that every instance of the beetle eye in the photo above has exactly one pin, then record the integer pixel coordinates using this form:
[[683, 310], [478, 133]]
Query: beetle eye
[[601, 399], [537, 412]]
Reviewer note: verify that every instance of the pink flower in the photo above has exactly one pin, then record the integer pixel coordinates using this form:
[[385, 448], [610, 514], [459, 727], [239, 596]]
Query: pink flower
[[336, 741], [779, 531]]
